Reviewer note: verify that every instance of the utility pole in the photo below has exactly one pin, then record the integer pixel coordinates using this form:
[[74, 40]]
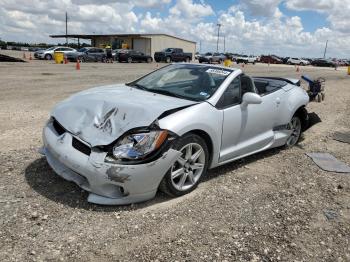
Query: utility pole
[[66, 28], [325, 50], [200, 46], [224, 44], [217, 42]]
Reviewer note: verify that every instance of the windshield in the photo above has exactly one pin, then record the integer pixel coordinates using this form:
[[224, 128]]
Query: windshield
[[192, 82], [51, 48]]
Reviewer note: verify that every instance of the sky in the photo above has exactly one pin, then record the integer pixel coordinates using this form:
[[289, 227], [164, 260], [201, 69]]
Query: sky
[[282, 27]]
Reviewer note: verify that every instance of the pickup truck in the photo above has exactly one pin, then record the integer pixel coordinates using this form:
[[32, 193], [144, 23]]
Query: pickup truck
[[172, 55], [212, 58], [246, 59]]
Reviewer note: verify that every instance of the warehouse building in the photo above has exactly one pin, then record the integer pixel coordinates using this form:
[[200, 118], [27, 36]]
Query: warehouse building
[[146, 43]]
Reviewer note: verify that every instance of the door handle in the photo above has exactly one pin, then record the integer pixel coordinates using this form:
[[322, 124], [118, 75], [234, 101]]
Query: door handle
[[278, 101]]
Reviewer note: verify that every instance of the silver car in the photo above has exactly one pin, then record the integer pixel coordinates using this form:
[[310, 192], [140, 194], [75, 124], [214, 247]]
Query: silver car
[[48, 54], [163, 131]]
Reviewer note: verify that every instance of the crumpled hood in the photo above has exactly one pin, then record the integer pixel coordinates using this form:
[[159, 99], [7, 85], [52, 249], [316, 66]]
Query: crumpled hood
[[101, 115]]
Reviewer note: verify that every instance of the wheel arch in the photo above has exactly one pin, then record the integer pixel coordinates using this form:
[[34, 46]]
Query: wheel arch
[[302, 113], [207, 139]]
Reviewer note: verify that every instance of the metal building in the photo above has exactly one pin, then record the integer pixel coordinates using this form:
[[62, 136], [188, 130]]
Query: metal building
[[146, 43]]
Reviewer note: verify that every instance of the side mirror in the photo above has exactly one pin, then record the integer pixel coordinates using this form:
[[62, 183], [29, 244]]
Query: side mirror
[[251, 98]]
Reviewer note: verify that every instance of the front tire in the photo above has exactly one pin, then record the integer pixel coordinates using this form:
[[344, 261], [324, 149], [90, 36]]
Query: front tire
[[295, 127], [190, 167]]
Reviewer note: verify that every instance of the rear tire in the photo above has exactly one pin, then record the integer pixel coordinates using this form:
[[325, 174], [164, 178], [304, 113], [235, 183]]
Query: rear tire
[[295, 126], [48, 57], [188, 170]]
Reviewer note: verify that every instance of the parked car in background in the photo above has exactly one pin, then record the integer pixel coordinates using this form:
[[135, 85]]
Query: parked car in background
[[116, 52], [270, 59], [48, 53], [134, 56], [87, 54], [246, 59], [297, 61], [123, 142], [212, 58], [323, 63], [172, 55]]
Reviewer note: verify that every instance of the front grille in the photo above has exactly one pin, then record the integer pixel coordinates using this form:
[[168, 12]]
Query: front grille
[[81, 146], [58, 128]]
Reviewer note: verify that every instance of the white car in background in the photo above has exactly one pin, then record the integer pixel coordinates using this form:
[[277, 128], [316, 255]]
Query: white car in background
[[297, 61], [48, 53], [246, 59]]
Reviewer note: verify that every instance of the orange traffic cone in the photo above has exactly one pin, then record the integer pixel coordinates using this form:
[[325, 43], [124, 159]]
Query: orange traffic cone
[[65, 60], [77, 66], [157, 65], [24, 55], [298, 69], [243, 65], [30, 56]]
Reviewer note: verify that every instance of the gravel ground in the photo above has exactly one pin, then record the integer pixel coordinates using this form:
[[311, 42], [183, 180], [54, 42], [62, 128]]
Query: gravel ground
[[273, 206]]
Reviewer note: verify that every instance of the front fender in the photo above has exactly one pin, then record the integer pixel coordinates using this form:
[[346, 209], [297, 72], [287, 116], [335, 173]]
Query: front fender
[[202, 117]]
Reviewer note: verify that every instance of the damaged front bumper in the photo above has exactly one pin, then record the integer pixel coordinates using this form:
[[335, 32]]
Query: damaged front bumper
[[108, 183]]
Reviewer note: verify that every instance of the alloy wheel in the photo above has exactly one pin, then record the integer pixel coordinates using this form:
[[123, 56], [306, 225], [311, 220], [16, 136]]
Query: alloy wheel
[[189, 167], [295, 127]]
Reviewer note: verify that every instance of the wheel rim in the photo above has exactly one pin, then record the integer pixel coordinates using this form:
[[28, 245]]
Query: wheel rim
[[189, 167], [168, 59], [129, 60], [295, 127]]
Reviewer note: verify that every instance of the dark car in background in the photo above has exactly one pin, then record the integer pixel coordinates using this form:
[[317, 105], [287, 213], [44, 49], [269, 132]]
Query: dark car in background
[[87, 54], [172, 55], [270, 59], [133, 56], [323, 63]]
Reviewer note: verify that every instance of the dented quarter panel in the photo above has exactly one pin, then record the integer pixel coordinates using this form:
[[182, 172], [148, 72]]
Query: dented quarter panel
[[101, 115]]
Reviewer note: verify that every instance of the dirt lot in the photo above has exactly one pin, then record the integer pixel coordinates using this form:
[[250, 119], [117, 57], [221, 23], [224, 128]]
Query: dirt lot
[[273, 206]]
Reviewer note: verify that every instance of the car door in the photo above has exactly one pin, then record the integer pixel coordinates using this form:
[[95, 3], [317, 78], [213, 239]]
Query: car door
[[248, 128], [177, 55], [100, 54], [137, 56]]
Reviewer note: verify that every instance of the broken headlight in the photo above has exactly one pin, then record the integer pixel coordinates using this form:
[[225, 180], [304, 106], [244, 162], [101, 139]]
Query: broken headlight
[[137, 146]]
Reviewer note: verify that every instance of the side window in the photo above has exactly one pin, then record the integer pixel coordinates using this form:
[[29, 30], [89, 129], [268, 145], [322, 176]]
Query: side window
[[232, 94]]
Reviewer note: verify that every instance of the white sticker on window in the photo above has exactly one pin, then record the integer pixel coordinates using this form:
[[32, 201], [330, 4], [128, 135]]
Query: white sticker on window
[[218, 71]]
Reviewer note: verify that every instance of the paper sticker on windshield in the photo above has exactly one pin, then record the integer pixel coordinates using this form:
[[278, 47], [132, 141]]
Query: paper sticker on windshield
[[218, 71]]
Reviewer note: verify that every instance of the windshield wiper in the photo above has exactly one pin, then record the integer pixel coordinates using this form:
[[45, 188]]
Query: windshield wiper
[[166, 92], [138, 86]]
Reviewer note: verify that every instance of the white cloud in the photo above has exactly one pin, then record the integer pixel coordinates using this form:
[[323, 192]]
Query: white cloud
[[265, 8], [188, 9]]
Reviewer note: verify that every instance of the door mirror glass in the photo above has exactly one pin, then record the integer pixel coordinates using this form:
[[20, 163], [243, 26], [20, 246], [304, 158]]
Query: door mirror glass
[[251, 98]]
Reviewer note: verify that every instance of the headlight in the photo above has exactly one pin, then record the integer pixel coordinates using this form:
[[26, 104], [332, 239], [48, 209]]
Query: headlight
[[137, 146]]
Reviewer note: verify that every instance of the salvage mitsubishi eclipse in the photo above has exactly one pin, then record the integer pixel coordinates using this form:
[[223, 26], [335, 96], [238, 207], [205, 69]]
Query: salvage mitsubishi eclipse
[[122, 143]]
